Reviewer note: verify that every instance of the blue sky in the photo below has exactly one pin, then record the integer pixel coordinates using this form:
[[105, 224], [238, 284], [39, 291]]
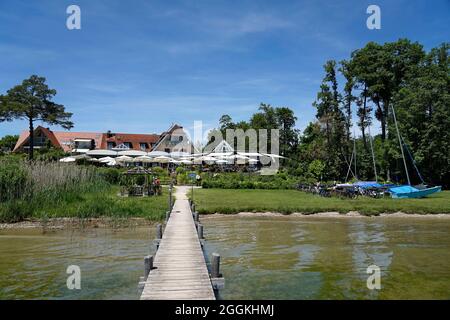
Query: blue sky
[[138, 66]]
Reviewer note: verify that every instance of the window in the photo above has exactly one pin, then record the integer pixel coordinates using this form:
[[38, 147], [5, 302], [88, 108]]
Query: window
[[111, 145], [143, 146], [167, 150], [129, 145], [84, 143], [39, 140]]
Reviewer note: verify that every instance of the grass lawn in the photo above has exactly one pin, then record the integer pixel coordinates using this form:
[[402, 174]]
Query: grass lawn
[[288, 201], [103, 202], [98, 204]]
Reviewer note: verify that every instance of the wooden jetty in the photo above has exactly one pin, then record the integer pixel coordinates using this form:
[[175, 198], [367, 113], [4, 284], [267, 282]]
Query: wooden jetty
[[178, 270]]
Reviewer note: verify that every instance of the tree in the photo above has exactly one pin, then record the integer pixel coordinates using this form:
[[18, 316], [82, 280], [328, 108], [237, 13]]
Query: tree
[[4, 114], [226, 122], [381, 70], [316, 168], [348, 98], [330, 76], [288, 134], [323, 104], [8, 142], [364, 115], [267, 117], [32, 101], [333, 120], [423, 110]]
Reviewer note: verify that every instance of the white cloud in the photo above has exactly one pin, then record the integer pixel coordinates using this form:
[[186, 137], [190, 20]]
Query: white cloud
[[245, 24]]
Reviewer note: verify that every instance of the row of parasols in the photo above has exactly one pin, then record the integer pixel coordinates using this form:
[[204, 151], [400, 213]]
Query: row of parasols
[[112, 158]]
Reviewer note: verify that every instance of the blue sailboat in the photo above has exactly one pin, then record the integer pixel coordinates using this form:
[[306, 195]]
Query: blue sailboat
[[409, 191], [406, 191]]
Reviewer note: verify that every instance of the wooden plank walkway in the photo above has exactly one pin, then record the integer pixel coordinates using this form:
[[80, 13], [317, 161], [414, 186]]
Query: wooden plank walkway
[[181, 271]]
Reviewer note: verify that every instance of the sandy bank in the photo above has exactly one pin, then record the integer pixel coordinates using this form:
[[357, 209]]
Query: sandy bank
[[62, 223]]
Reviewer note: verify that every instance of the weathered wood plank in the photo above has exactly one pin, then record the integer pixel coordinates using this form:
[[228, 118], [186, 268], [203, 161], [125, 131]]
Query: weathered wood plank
[[180, 270]]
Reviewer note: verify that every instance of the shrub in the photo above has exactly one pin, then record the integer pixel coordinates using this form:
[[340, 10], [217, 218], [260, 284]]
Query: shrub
[[110, 175], [15, 211], [249, 181], [14, 180]]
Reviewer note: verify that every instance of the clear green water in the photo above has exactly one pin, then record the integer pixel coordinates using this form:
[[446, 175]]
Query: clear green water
[[33, 265], [262, 258], [327, 258]]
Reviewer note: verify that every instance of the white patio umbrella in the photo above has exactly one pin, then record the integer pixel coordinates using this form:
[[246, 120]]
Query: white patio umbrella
[[111, 163], [162, 159], [124, 159], [238, 157], [179, 154], [174, 161], [106, 159], [143, 159], [132, 153], [250, 154], [186, 161], [101, 152], [220, 154], [67, 159], [272, 155], [207, 158], [252, 160], [221, 161], [158, 154]]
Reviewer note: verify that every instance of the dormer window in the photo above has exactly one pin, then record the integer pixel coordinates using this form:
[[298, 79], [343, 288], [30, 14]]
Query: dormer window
[[143, 146], [122, 146]]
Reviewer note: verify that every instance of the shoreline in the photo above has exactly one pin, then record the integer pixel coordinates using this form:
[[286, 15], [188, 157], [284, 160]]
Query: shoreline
[[332, 214], [67, 223], [117, 223]]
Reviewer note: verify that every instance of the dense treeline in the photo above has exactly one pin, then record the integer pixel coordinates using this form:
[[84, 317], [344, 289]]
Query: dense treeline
[[376, 80]]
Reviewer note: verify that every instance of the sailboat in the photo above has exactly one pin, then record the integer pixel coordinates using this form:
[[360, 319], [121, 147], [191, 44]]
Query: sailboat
[[409, 191]]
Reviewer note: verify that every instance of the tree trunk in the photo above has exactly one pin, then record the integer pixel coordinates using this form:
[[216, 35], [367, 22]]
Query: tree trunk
[[363, 133], [383, 122], [383, 135], [31, 140], [348, 125], [363, 122], [328, 131]]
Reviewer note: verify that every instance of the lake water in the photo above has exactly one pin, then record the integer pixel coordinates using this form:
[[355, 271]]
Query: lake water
[[262, 258]]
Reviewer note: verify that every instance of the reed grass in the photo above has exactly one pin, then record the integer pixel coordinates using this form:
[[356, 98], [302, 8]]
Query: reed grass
[[43, 190]]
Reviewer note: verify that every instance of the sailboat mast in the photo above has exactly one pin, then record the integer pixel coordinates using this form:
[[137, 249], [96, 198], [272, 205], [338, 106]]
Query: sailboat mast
[[400, 143], [349, 167], [373, 156]]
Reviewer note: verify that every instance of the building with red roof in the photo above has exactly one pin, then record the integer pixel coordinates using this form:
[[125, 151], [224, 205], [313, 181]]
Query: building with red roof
[[81, 142]]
